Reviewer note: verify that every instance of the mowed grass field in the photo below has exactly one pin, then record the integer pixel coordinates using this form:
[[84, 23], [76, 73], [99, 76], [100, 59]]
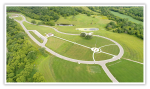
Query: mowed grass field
[[82, 21], [36, 37], [125, 16], [133, 46], [66, 71], [101, 56], [112, 49], [126, 71], [69, 49], [74, 51]]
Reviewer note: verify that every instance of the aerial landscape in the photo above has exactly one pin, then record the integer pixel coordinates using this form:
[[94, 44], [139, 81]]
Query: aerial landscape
[[74, 44]]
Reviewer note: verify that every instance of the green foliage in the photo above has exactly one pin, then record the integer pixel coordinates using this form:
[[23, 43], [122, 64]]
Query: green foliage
[[39, 23], [122, 23], [12, 9], [32, 55], [42, 51], [88, 14], [33, 21], [37, 77], [10, 80], [83, 34], [50, 23], [20, 54], [88, 36], [39, 13], [135, 12], [21, 79]]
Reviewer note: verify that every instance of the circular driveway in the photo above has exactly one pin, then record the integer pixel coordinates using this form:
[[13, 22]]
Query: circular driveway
[[102, 63]]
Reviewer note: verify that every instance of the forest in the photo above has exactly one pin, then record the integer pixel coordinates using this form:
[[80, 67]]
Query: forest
[[21, 55], [49, 15], [122, 25]]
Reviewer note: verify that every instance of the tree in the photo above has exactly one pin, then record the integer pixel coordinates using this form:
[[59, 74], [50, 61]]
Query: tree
[[21, 79], [37, 77], [83, 34], [42, 51], [51, 23], [40, 23], [33, 21], [11, 75], [10, 80], [31, 55], [88, 14], [88, 36]]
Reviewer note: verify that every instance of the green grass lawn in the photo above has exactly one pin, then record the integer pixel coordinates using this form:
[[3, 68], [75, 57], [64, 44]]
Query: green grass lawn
[[133, 46], [82, 21], [60, 70], [76, 51], [36, 37], [101, 56], [69, 49], [125, 16], [112, 49], [66, 71], [18, 18], [44, 69], [126, 71]]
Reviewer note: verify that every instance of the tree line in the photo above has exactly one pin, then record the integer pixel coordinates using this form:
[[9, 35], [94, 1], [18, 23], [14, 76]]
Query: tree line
[[122, 25], [21, 55], [135, 12], [49, 15]]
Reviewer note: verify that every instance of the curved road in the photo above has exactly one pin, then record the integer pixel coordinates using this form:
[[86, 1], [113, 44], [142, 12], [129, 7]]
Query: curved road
[[101, 63]]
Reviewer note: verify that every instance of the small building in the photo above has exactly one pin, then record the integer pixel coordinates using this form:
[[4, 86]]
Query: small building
[[49, 34]]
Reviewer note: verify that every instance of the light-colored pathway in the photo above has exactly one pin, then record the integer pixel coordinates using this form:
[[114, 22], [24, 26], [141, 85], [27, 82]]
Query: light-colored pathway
[[132, 60], [101, 63], [72, 42]]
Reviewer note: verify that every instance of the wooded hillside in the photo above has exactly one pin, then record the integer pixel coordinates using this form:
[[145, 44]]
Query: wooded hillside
[[21, 55]]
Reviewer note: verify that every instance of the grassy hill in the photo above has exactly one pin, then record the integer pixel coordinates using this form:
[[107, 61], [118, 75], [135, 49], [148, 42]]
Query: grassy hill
[[57, 70]]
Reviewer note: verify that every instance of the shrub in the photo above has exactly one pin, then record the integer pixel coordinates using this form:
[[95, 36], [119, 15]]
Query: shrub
[[88, 36], [39, 23], [33, 21], [42, 51], [82, 34], [51, 23]]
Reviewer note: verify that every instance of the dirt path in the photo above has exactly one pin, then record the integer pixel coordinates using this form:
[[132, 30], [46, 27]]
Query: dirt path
[[101, 63]]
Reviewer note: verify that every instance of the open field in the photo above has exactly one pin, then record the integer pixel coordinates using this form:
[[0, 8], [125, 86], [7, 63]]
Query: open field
[[125, 16], [55, 69], [101, 56], [126, 71], [44, 69], [82, 21], [66, 71], [112, 49], [133, 46], [69, 49]]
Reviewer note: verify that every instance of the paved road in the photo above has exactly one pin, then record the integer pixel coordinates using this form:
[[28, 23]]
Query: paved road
[[101, 63]]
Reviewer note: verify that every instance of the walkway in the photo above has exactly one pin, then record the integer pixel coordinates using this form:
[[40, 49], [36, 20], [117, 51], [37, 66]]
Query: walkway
[[101, 63]]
